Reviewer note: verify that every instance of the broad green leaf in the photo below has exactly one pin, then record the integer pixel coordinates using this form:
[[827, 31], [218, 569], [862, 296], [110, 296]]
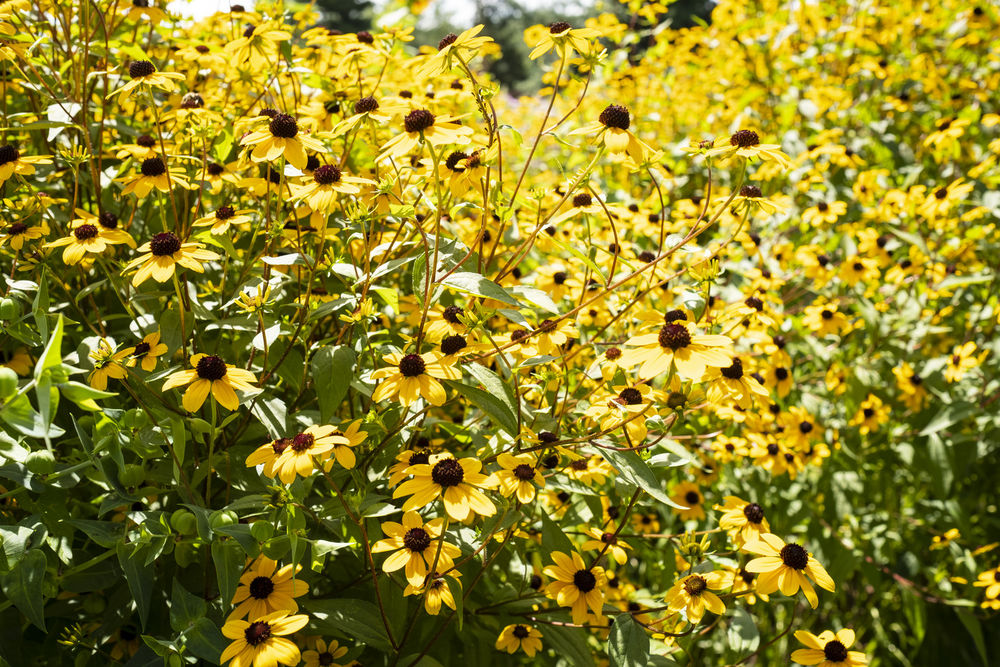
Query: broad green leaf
[[105, 533], [635, 470], [570, 644], [350, 618], [975, 628], [204, 640], [139, 578], [473, 283], [490, 404], [628, 644], [23, 586], [229, 559], [185, 608], [742, 632], [83, 395], [332, 369]]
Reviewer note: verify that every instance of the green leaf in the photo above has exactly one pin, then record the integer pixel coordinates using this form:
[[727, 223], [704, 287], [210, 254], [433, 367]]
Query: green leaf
[[52, 356], [628, 644], [139, 578], [490, 404], [553, 537], [229, 560], [742, 632], [185, 608], [272, 413], [204, 640], [635, 470], [355, 619], [473, 283], [494, 385], [104, 533], [332, 369], [23, 586], [83, 395], [975, 628], [571, 645]]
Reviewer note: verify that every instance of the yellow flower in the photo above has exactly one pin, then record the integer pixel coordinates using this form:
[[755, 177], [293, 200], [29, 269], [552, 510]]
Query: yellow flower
[[456, 481], [281, 138], [990, 580], [12, 162], [222, 218], [870, 415], [82, 240], [327, 182], [307, 448], [153, 173], [211, 375], [746, 144], [523, 637], [415, 545], [341, 452], [786, 566], [519, 476], [106, 224], [143, 72], [420, 126], [262, 642], [413, 376], [576, 586], [436, 593], [688, 495], [323, 654], [606, 542], [564, 38], [677, 344], [453, 47], [825, 319], [962, 360], [265, 589], [692, 594], [744, 521], [828, 649], [257, 47], [162, 254], [612, 126], [732, 384], [146, 352], [268, 455], [107, 364]]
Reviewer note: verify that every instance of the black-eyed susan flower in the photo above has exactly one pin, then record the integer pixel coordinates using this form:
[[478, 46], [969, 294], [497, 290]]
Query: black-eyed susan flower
[[223, 218], [990, 581], [564, 38], [323, 654], [342, 453], [457, 482], [211, 375], [694, 595], [786, 566], [107, 364], [519, 476], [732, 384], [437, 592], [523, 637], [453, 49], [143, 73], [146, 352], [265, 588], [624, 408], [828, 649], [746, 144], [12, 162], [962, 359], [870, 415], [612, 127], [16, 233], [263, 641], [307, 450], [328, 181], [412, 376], [281, 138], [577, 586], [678, 345], [688, 495], [609, 542], [153, 173], [162, 254], [268, 455], [80, 241], [257, 47], [106, 224], [744, 521], [414, 546], [824, 319], [421, 126]]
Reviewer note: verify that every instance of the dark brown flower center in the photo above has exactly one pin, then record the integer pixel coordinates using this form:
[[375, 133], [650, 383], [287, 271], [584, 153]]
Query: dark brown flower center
[[750, 191], [674, 336], [453, 344], [558, 27], [303, 442], [451, 314], [826, 314], [153, 167], [794, 556], [453, 159], [941, 193], [754, 513], [141, 350], [325, 658], [145, 141], [224, 213], [365, 105], [418, 120], [773, 449], [417, 539], [695, 585], [674, 315], [257, 633], [211, 367], [365, 37], [615, 115], [8, 154], [261, 588], [524, 472], [520, 631], [744, 139], [280, 445], [412, 365], [84, 232], [612, 353], [447, 472], [835, 651], [447, 41], [164, 244], [584, 580], [419, 458], [284, 126], [733, 372], [139, 68], [327, 174], [692, 497], [582, 199], [631, 396], [519, 335]]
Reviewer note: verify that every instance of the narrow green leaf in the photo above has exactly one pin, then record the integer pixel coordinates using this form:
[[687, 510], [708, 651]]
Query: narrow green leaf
[[139, 578], [635, 470], [490, 404], [52, 356], [473, 283]]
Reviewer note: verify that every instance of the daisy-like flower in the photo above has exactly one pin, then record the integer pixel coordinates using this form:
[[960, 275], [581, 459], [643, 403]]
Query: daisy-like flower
[[369, 111], [262, 643], [268, 455], [564, 38], [265, 589], [606, 541], [689, 496], [258, 46], [744, 521], [281, 138], [824, 213], [153, 174], [106, 224], [751, 197], [342, 453], [550, 335], [414, 546], [309, 447], [519, 476], [990, 580], [677, 344], [223, 218], [746, 144], [576, 586], [453, 47], [420, 126], [692, 594], [523, 637], [458, 482], [825, 319], [730, 383], [143, 72], [786, 566], [328, 181], [146, 351], [211, 375], [413, 376], [612, 127], [107, 364], [612, 411], [436, 593], [828, 649], [323, 654], [872, 413], [12, 162], [161, 255], [962, 360], [81, 240]]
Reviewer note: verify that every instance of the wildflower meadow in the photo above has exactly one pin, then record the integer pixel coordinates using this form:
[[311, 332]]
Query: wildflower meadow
[[331, 347]]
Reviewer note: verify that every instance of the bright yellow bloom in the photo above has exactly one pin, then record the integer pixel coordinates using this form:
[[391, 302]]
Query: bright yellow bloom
[[265, 589], [786, 566], [262, 643], [415, 545], [310, 447], [413, 376], [211, 375], [692, 594], [828, 649], [161, 255], [576, 586], [523, 637], [457, 482]]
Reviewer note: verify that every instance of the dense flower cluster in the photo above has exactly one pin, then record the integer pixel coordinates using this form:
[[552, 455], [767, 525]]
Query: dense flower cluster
[[316, 334]]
